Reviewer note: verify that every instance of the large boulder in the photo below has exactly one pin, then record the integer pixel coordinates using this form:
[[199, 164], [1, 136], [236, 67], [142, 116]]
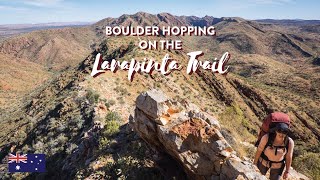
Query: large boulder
[[190, 136]]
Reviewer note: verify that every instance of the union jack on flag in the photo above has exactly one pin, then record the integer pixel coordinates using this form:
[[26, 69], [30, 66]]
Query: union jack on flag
[[17, 158]]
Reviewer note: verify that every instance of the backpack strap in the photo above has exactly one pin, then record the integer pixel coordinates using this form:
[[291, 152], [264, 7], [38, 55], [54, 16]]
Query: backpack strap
[[270, 141], [271, 137]]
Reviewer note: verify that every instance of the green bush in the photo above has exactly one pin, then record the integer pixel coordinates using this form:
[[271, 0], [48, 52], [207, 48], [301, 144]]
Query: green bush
[[128, 167], [39, 147], [110, 103], [113, 116], [104, 142], [92, 96], [111, 127], [76, 122], [121, 167], [112, 124], [62, 139], [308, 164], [20, 136]]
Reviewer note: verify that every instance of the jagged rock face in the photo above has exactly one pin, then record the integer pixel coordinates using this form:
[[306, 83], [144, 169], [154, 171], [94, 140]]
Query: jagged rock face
[[190, 136]]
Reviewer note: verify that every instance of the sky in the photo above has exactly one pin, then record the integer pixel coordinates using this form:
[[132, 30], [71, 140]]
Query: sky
[[44, 11]]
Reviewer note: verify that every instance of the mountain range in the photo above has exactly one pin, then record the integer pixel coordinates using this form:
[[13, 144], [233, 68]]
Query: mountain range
[[50, 104]]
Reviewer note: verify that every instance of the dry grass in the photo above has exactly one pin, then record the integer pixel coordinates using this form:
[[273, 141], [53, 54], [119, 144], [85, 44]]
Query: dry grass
[[18, 77], [238, 126]]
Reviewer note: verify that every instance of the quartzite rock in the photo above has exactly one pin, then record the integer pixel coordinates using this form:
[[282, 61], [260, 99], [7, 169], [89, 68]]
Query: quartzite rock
[[190, 136]]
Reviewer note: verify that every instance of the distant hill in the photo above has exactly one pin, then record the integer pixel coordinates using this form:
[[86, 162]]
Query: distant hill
[[8, 30], [290, 22]]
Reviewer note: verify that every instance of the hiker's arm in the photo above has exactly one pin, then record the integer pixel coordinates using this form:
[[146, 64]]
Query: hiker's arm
[[289, 155], [256, 158], [260, 148]]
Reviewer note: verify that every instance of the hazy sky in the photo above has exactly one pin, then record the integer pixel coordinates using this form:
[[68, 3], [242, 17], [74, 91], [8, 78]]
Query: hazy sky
[[42, 11]]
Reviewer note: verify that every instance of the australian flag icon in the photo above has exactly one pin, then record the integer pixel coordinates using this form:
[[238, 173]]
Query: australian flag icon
[[27, 163]]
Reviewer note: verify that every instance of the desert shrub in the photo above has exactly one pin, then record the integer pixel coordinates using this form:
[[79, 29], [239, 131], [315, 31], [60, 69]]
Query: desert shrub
[[309, 164], [121, 168], [121, 90], [92, 96], [70, 148], [53, 123], [76, 123], [20, 136], [157, 84], [130, 46], [80, 123], [52, 143], [104, 142], [61, 139], [55, 145], [26, 148], [128, 167], [39, 147], [112, 124], [110, 103], [111, 127], [61, 127], [50, 134], [29, 126], [113, 116]]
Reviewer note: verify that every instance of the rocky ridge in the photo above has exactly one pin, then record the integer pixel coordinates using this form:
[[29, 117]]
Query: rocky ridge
[[191, 137]]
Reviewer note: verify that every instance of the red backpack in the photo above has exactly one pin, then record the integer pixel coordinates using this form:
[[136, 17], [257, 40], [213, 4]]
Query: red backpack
[[270, 121]]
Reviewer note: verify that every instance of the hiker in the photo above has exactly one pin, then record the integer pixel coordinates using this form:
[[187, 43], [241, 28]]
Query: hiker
[[275, 148]]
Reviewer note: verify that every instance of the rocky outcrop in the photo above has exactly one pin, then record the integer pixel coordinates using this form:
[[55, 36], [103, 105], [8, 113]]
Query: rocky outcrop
[[190, 136]]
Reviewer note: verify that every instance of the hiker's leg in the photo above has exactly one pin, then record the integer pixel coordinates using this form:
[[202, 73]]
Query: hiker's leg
[[275, 174], [262, 168]]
